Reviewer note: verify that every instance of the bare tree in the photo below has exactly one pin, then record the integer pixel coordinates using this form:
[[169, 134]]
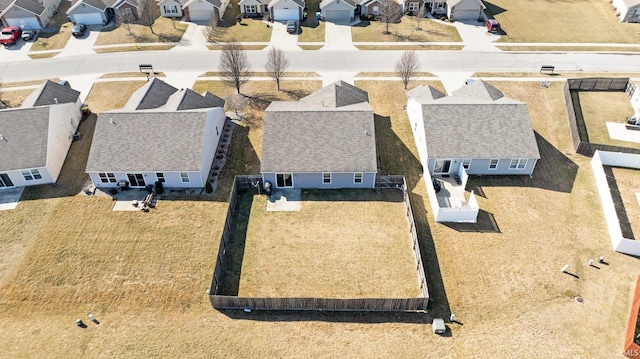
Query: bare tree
[[277, 64], [237, 103], [210, 28], [390, 11], [407, 67], [234, 66], [148, 13], [3, 103], [126, 21], [422, 12]]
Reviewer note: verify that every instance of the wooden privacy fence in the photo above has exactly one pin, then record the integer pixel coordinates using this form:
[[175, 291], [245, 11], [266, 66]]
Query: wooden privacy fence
[[220, 301], [579, 135]]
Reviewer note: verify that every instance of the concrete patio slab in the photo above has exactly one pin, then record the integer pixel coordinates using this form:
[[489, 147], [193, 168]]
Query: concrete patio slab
[[9, 198], [285, 200], [125, 200], [618, 131]]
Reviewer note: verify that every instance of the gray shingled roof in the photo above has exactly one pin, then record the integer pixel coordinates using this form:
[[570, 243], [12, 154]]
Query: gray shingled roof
[[470, 124], [298, 2], [31, 6], [25, 132], [153, 94], [99, 4], [51, 93], [148, 141], [337, 94], [424, 93], [305, 136], [4, 4], [187, 99], [324, 3]]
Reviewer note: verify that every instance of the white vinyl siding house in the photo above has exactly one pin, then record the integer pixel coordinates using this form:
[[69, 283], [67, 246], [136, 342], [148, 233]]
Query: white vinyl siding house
[[341, 11], [170, 8], [627, 10], [282, 10]]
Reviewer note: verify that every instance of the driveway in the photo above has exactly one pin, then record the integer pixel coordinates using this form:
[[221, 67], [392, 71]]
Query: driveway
[[282, 39], [193, 39], [82, 45], [17, 52], [337, 37], [475, 36]]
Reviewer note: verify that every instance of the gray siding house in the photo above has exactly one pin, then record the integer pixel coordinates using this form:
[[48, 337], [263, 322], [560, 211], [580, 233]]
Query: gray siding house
[[325, 140], [477, 127]]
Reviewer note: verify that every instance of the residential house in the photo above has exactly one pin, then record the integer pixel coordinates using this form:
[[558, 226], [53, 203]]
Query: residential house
[[172, 140], [324, 140], [171, 8], [204, 10], [254, 8], [100, 12], [338, 10], [35, 138], [627, 10], [28, 14], [475, 131]]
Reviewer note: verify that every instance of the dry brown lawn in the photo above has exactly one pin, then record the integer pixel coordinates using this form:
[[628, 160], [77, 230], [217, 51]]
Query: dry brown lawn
[[145, 275], [164, 30], [432, 31], [560, 21], [111, 95], [599, 107], [628, 183], [249, 30], [341, 244], [14, 98], [58, 39]]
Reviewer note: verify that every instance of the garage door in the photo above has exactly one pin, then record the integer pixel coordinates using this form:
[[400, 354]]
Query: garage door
[[286, 14], [25, 22], [337, 15], [88, 19], [465, 14], [199, 15]]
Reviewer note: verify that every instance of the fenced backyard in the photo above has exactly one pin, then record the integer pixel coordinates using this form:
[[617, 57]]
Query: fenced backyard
[[228, 296], [577, 124]]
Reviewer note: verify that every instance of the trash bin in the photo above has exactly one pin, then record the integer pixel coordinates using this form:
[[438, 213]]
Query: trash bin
[[123, 185]]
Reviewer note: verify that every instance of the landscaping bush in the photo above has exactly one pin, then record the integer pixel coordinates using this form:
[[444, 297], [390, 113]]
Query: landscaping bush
[[208, 188]]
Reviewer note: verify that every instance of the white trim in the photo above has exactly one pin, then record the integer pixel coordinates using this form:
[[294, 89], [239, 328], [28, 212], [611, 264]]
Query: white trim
[[467, 165], [184, 177], [323, 177], [355, 177], [283, 179], [518, 163], [495, 167]]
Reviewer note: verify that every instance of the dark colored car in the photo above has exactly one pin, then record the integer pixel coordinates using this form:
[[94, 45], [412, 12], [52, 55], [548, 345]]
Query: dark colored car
[[492, 25], [292, 26], [78, 30], [29, 35]]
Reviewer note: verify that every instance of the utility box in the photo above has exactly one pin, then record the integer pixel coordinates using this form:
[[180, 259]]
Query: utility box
[[438, 326]]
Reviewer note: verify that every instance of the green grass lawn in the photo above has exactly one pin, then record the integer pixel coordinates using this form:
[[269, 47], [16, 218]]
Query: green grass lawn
[[560, 21], [164, 30], [432, 31]]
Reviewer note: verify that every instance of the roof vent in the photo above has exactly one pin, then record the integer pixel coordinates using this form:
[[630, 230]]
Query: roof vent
[[3, 139], [111, 121], [55, 99]]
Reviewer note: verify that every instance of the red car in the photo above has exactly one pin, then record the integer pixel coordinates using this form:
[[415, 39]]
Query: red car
[[10, 35]]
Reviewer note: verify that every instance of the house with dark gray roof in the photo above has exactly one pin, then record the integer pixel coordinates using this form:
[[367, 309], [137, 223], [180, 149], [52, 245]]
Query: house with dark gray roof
[[28, 14], [52, 93], [474, 131], [162, 135], [100, 12], [34, 142], [324, 140]]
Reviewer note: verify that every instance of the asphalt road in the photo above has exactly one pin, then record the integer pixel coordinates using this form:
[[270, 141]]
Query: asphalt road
[[327, 61]]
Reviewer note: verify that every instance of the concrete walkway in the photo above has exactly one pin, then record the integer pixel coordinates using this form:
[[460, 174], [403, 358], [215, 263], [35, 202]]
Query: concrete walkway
[[337, 37], [475, 36], [281, 39], [194, 38]]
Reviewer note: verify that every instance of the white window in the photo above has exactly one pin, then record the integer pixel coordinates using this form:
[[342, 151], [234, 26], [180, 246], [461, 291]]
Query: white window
[[30, 175], [251, 9], [376, 10], [466, 163], [170, 9], [357, 178], [413, 6], [493, 164], [326, 177], [518, 164], [184, 176], [107, 177], [127, 11], [160, 177]]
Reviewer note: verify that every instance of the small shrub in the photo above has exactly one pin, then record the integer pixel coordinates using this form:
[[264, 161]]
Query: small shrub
[[208, 188]]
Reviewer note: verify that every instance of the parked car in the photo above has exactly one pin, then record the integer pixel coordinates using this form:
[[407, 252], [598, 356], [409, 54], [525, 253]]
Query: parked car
[[10, 35], [292, 26], [78, 30], [492, 25], [29, 35]]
